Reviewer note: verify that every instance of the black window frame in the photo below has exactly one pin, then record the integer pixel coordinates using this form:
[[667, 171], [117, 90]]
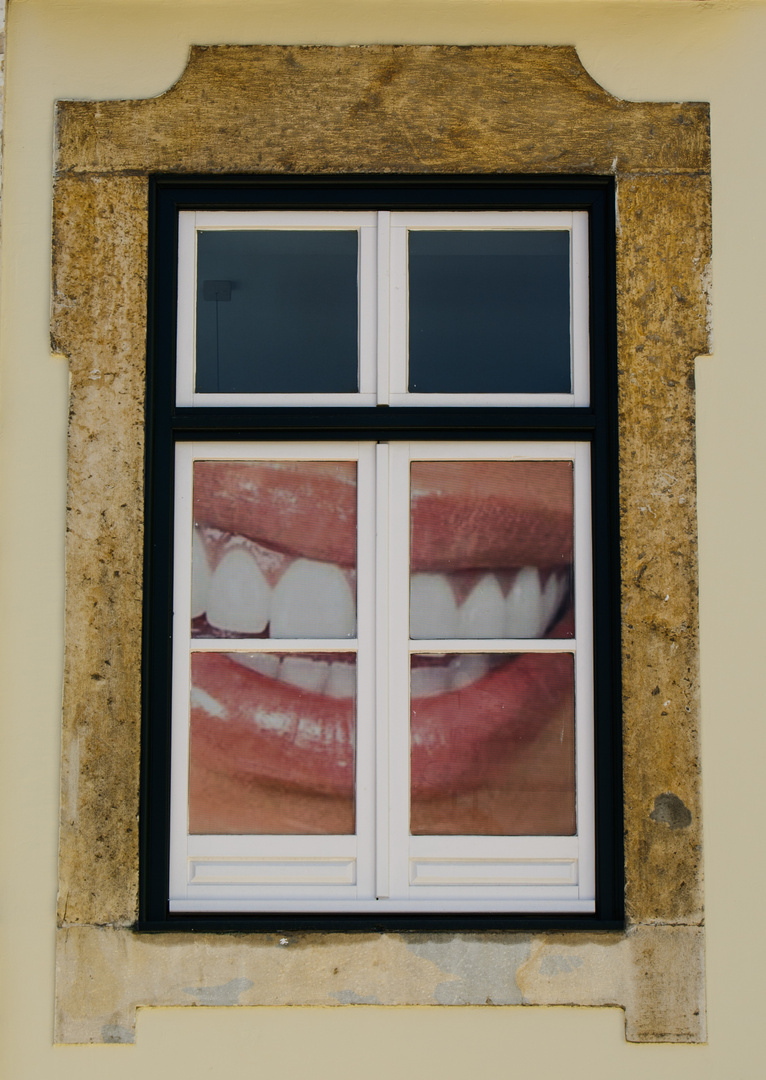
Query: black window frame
[[166, 423]]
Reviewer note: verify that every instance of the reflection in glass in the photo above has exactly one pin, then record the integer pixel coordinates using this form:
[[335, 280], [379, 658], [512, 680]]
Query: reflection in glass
[[274, 549], [272, 743], [491, 549], [277, 311], [489, 312], [492, 744]]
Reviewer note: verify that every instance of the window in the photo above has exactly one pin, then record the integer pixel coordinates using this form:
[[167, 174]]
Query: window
[[381, 474]]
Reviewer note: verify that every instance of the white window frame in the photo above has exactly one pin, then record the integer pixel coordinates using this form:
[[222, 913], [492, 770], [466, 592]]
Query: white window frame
[[382, 868], [383, 319]]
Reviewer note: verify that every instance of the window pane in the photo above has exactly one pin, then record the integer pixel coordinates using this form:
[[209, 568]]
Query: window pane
[[492, 744], [491, 549], [274, 550], [272, 743], [277, 311], [489, 312]]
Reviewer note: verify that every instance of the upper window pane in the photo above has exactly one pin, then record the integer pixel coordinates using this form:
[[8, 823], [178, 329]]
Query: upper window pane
[[277, 311], [489, 311]]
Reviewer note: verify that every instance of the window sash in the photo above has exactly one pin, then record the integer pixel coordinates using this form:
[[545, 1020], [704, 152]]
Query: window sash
[[382, 867], [383, 302]]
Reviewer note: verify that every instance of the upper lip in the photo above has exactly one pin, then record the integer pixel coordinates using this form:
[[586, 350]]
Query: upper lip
[[459, 521]]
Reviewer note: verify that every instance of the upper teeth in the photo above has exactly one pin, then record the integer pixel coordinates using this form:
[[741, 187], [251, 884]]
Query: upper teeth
[[315, 600], [239, 594], [311, 599], [526, 612]]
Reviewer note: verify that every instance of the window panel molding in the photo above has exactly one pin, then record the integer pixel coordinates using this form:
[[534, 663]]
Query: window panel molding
[[562, 123]]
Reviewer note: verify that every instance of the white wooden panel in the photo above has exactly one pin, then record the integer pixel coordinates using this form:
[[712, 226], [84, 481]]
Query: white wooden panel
[[493, 872], [265, 871]]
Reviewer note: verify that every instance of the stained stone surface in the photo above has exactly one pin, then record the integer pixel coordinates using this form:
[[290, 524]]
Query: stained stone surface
[[384, 109]]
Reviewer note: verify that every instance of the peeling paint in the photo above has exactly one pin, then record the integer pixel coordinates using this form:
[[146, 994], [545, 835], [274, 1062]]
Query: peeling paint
[[481, 969], [225, 994]]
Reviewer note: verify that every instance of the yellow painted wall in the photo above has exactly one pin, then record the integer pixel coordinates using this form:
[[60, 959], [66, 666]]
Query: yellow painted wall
[[660, 50]]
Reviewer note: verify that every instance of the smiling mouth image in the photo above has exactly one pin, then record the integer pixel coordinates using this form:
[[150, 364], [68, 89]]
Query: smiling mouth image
[[273, 733]]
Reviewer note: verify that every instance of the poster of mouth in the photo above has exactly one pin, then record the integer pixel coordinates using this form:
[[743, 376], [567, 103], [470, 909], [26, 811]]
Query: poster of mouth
[[273, 731]]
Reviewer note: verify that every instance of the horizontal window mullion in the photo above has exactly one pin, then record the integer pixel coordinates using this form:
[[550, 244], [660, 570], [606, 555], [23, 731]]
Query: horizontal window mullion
[[273, 644], [485, 645]]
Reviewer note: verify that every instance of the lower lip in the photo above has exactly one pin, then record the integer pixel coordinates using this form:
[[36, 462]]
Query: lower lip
[[459, 739]]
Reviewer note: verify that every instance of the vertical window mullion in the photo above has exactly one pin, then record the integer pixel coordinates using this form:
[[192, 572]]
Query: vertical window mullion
[[366, 750], [383, 311], [399, 667], [185, 321], [579, 302], [398, 310], [584, 671], [382, 772], [369, 330], [179, 768]]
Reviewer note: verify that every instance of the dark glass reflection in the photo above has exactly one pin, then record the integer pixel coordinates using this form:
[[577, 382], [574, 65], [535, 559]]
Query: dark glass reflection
[[489, 312], [277, 312]]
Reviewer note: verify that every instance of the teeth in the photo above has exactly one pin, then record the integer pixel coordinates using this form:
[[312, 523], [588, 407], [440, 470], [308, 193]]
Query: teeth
[[312, 599], [483, 612], [304, 672], [553, 594], [429, 681], [433, 611], [336, 680], [263, 663], [468, 669], [524, 617], [200, 588], [315, 599], [239, 594], [342, 681]]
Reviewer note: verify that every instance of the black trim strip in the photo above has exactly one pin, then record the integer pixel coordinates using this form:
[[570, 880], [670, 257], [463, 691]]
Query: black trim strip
[[167, 424]]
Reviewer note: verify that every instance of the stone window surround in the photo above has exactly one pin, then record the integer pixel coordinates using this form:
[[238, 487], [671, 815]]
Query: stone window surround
[[381, 109]]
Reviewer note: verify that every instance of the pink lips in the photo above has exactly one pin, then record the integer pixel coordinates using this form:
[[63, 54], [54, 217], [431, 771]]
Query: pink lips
[[253, 728]]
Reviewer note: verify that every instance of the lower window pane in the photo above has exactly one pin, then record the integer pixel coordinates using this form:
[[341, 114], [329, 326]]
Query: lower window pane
[[492, 744], [272, 745]]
